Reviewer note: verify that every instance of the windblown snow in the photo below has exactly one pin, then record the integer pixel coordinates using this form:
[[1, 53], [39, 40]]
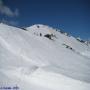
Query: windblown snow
[[43, 58]]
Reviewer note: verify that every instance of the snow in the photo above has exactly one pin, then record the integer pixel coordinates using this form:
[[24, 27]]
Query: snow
[[34, 62], [86, 53]]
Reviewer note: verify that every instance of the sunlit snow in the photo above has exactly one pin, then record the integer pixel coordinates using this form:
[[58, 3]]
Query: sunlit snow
[[42, 58]]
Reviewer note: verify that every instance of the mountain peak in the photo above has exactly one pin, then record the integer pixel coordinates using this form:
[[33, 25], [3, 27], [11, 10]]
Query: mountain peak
[[38, 26]]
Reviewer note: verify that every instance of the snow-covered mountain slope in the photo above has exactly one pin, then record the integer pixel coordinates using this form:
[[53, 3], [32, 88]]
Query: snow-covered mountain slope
[[42, 58]]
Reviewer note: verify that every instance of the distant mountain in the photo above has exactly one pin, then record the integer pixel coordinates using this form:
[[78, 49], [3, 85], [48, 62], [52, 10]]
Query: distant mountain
[[40, 57]]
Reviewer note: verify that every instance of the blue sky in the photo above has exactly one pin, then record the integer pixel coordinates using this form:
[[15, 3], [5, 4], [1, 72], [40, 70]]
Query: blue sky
[[73, 16]]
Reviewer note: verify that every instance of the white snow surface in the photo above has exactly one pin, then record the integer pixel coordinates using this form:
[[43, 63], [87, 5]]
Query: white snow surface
[[35, 62]]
